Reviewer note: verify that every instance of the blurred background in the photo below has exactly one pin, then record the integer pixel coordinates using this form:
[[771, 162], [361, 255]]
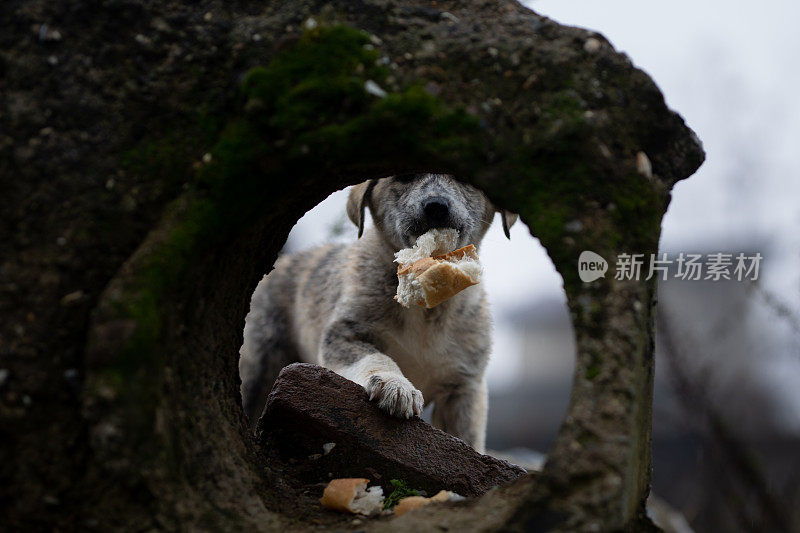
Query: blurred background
[[726, 436]]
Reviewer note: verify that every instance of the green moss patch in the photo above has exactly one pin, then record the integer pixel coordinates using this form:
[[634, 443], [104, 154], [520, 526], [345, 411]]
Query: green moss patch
[[400, 490]]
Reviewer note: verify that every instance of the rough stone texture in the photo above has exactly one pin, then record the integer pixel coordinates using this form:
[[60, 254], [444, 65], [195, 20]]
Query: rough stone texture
[[309, 406], [122, 308]]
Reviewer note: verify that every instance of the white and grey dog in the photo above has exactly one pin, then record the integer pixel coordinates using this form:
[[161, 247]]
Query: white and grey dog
[[334, 306]]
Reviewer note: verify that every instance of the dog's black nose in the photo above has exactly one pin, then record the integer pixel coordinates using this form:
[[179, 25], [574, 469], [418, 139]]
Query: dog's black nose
[[437, 211]]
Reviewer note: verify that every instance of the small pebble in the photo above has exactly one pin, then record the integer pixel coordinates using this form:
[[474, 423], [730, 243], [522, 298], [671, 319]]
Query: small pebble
[[530, 81], [428, 49], [449, 16], [643, 165], [592, 45], [374, 89], [46, 34], [160, 24], [72, 297]]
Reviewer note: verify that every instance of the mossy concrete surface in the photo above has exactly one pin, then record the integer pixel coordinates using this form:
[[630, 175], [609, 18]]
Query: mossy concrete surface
[[318, 96]]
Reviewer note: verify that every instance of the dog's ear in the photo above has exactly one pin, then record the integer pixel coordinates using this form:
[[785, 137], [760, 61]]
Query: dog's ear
[[508, 219], [357, 203]]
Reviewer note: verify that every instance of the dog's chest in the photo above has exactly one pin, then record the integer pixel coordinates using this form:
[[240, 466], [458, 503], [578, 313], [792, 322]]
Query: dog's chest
[[426, 350]]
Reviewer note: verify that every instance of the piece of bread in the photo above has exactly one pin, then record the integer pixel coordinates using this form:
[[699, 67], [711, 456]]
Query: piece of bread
[[432, 243], [429, 281], [350, 495], [409, 503], [415, 502]]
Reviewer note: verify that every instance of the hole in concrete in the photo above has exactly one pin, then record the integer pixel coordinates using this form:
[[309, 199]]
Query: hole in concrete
[[582, 165], [531, 366]]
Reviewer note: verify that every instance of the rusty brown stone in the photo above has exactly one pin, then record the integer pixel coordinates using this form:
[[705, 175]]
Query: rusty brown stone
[[310, 406]]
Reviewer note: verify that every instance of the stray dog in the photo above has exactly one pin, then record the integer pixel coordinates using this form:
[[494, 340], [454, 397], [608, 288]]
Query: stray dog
[[334, 306]]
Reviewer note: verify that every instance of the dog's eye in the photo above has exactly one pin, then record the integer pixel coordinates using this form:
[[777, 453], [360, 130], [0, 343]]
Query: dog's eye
[[405, 178]]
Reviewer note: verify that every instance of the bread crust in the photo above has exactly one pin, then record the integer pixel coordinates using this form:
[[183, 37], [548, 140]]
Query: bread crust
[[441, 282], [409, 504], [340, 493], [415, 502], [439, 277]]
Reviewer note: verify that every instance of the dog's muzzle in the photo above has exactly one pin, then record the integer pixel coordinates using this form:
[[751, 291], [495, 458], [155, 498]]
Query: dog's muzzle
[[437, 212]]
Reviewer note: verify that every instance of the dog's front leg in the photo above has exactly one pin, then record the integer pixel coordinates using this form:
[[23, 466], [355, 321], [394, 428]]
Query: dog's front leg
[[461, 411], [349, 349]]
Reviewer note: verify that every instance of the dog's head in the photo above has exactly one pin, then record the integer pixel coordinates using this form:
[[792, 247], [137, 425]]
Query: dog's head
[[404, 207]]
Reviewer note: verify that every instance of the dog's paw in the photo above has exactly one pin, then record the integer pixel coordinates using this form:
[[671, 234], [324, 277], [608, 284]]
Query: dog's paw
[[395, 395]]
